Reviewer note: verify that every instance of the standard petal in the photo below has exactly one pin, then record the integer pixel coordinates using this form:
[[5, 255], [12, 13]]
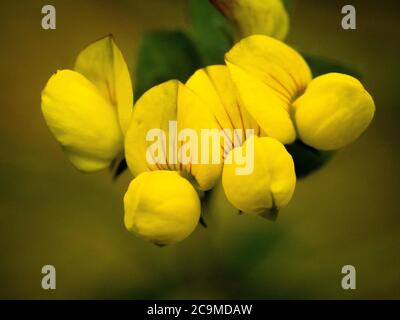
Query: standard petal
[[269, 186], [267, 17], [153, 110], [169, 109], [268, 76], [215, 86], [264, 105], [83, 122], [194, 115], [274, 63], [103, 64], [333, 112]]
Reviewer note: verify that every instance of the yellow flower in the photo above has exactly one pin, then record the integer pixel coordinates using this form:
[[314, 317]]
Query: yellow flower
[[88, 109], [275, 85], [268, 17], [333, 112], [271, 184], [161, 207]]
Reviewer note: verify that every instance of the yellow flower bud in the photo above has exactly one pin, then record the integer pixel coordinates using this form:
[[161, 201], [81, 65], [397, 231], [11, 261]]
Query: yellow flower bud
[[161, 207], [333, 112], [271, 184], [268, 17]]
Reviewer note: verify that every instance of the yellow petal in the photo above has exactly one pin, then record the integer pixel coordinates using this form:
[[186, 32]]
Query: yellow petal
[[264, 105], [267, 17], [270, 185], [83, 122], [273, 62], [268, 76], [153, 110], [161, 207], [170, 101], [193, 114], [214, 85], [103, 64], [333, 112]]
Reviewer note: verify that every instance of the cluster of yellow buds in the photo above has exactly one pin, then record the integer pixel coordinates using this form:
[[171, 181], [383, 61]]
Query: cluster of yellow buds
[[265, 86]]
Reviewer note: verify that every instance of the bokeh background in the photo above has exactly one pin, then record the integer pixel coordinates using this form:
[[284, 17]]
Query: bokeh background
[[346, 213]]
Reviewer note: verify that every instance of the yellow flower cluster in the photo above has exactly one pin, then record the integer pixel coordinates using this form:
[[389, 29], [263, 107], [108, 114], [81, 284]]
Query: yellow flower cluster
[[265, 85]]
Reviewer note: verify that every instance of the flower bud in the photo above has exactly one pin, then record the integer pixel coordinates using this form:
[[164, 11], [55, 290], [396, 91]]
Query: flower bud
[[161, 207], [333, 112], [271, 184]]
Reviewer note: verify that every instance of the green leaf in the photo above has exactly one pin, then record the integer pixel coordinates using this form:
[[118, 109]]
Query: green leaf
[[307, 159], [211, 32], [164, 55], [320, 66]]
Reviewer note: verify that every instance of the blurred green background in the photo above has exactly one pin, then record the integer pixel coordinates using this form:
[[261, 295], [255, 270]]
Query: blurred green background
[[346, 213]]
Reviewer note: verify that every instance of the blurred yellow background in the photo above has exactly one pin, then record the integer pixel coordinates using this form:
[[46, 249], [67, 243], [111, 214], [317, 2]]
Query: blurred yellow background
[[346, 213]]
